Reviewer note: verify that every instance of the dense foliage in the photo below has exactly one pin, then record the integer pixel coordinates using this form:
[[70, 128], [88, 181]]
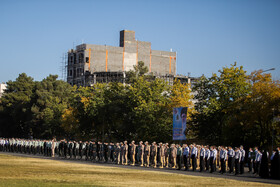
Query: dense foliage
[[234, 108], [229, 108]]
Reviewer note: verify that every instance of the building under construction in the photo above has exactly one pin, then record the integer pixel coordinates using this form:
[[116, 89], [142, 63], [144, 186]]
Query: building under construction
[[89, 64]]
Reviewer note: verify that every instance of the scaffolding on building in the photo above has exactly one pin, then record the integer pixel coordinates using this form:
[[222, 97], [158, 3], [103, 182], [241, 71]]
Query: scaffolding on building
[[63, 66]]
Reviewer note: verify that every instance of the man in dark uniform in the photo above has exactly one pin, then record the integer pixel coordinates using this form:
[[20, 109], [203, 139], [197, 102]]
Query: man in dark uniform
[[237, 158], [74, 149], [81, 150], [250, 159], [154, 154], [65, 149], [202, 159], [106, 152], [230, 159], [94, 151], [70, 148], [87, 150], [90, 148], [98, 151]]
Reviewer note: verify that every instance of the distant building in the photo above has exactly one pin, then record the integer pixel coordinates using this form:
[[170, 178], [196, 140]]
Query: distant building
[[88, 63], [2, 88]]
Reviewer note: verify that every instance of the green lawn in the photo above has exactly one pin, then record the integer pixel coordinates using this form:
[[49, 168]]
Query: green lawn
[[21, 171]]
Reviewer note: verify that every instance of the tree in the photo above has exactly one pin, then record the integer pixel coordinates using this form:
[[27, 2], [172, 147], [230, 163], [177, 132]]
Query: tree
[[49, 100], [15, 107], [262, 108], [181, 96], [216, 103], [139, 70]]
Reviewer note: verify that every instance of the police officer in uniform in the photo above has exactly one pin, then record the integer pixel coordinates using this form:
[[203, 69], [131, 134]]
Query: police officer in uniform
[[202, 158], [237, 157], [194, 157], [242, 161], [230, 159]]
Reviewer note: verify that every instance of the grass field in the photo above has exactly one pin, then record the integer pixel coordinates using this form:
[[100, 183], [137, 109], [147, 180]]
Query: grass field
[[22, 171]]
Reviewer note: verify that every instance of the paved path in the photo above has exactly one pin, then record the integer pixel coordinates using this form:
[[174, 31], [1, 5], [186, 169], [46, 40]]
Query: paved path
[[249, 177]]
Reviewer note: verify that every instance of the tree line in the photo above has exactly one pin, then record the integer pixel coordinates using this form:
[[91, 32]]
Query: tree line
[[228, 108]]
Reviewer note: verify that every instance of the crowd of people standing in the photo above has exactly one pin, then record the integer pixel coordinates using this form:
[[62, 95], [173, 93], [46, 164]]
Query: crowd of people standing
[[190, 157]]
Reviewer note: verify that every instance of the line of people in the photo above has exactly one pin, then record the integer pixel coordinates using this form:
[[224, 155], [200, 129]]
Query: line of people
[[193, 157]]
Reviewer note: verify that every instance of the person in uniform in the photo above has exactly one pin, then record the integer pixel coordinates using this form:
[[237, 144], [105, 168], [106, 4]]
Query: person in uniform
[[242, 161], [154, 154], [125, 152], [237, 157], [275, 165], [230, 159], [174, 155], [257, 162], [264, 170], [162, 154], [194, 157], [202, 158], [223, 158], [132, 153], [141, 153], [94, 151], [81, 149], [53, 146], [90, 147], [147, 152], [167, 152], [207, 158], [179, 156], [250, 160], [118, 153], [213, 156], [186, 152], [105, 152]]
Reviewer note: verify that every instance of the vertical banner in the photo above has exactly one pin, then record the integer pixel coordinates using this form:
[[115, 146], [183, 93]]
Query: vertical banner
[[179, 123]]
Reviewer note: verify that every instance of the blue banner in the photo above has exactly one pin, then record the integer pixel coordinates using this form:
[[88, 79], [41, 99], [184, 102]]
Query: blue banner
[[179, 123]]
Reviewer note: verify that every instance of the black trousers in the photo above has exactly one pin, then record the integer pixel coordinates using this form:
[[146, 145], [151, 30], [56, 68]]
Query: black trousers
[[194, 164], [250, 165], [207, 162], [223, 166], [237, 166], [179, 161], [201, 163], [212, 164], [230, 164], [186, 164], [242, 167]]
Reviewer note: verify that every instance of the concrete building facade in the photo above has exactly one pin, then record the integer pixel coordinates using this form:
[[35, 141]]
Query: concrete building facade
[[88, 63]]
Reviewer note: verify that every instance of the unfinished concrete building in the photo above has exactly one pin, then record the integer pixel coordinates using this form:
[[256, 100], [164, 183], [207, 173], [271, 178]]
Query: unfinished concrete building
[[89, 64]]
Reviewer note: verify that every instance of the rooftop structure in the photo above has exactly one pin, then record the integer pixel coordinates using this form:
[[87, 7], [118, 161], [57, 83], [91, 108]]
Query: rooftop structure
[[88, 64]]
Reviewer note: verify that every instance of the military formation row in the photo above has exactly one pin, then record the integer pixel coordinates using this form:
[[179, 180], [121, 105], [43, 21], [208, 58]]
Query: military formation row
[[192, 157]]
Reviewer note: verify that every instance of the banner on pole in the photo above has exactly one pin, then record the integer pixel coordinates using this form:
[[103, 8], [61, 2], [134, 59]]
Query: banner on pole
[[179, 123]]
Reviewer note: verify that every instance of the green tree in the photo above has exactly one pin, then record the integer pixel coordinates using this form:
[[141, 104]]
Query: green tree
[[15, 107], [139, 70], [49, 101], [261, 109], [216, 103]]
